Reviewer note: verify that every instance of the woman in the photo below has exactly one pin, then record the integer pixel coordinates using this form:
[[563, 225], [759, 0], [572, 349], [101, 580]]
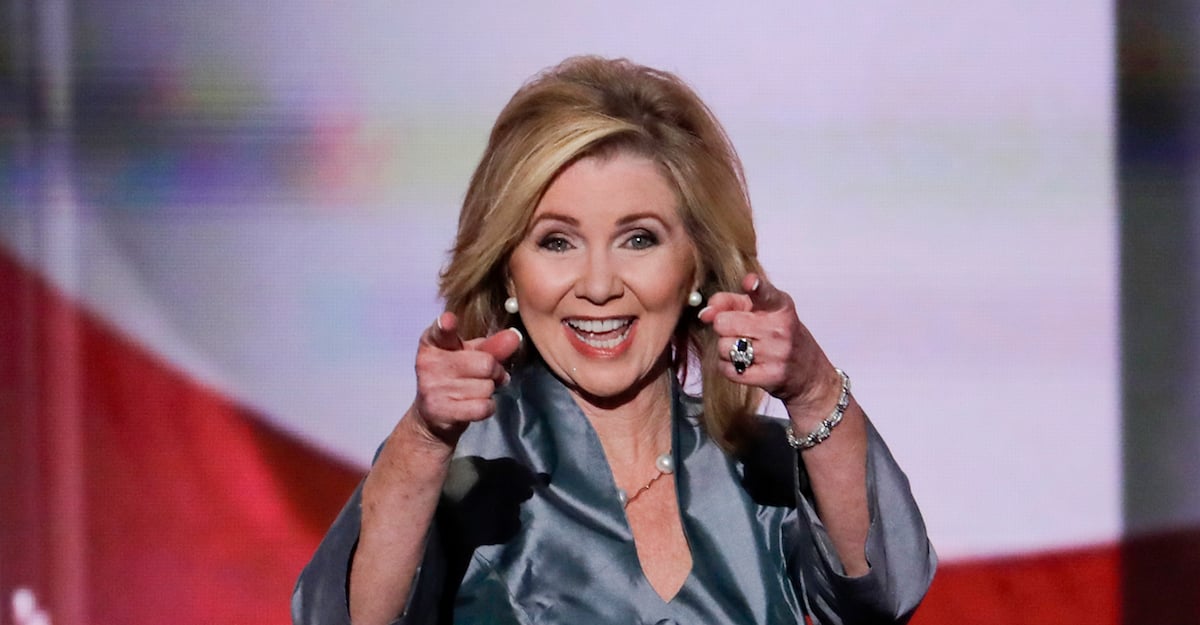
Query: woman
[[582, 485]]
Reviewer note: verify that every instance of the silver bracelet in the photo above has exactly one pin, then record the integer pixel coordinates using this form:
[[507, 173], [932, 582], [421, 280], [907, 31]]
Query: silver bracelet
[[817, 436]]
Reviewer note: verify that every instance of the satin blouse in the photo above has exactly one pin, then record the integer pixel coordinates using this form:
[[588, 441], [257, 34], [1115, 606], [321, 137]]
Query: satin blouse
[[530, 530]]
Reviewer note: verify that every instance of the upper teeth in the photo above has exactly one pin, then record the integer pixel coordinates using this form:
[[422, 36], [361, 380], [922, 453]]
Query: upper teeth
[[597, 325]]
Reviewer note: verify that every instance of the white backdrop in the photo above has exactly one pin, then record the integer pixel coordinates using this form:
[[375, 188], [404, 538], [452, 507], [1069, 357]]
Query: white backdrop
[[933, 183]]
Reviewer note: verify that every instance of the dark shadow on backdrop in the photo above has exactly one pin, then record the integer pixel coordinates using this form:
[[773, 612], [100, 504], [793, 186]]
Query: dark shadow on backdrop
[[1159, 195]]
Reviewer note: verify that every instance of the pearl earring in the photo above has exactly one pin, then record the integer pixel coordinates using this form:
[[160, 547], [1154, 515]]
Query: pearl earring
[[695, 299], [511, 305]]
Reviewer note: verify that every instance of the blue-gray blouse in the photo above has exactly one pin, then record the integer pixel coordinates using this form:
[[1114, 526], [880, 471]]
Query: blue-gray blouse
[[530, 530]]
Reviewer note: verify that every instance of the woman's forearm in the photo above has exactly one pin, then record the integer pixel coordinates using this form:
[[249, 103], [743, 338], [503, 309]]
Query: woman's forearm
[[399, 499], [837, 471]]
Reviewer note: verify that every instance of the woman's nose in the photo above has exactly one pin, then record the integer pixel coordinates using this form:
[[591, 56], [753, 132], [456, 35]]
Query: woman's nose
[[599, 281]]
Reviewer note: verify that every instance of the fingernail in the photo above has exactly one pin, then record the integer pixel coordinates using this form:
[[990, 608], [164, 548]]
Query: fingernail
[[438, 322], [754, 287], [703, 310], [520, 337]]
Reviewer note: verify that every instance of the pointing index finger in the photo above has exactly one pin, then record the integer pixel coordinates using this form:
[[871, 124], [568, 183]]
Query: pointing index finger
[[444, 333], [763, 295]]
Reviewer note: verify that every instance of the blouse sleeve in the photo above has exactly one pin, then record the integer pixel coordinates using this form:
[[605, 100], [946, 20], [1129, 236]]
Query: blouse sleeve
[[901, 559], [321, 595]]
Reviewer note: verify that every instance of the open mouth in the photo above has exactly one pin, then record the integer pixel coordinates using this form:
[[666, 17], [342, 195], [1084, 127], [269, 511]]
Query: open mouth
[[601, 333]]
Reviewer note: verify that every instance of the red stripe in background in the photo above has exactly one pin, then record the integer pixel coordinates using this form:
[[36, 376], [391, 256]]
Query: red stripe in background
[[1151, 579], [1077, 586], [197, 512], [194, 510]]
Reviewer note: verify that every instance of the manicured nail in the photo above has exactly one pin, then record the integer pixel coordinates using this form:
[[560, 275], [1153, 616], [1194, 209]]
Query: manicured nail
[[438, 322], [703, 310], [754, 287], [520, 337]]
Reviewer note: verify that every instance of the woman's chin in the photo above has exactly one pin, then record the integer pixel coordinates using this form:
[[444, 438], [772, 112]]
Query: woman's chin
[[611, 390]]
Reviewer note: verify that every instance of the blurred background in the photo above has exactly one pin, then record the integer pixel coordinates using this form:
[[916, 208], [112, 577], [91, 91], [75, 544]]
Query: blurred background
[[221, 224]]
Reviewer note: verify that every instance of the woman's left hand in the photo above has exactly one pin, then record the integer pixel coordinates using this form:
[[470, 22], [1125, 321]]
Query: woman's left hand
[[788, 363]]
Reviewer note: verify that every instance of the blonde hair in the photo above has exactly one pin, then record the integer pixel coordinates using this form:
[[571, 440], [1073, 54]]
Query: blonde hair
[[590, 106]]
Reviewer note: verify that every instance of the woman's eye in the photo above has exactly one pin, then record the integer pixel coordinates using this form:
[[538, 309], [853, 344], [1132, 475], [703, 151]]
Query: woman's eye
[[554, 243], [642, 240]]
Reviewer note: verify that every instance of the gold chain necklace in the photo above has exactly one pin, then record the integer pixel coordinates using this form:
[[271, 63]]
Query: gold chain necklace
[[664, 463]]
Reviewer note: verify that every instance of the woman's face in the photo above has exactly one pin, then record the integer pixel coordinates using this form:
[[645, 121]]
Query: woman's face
[[603, 274]]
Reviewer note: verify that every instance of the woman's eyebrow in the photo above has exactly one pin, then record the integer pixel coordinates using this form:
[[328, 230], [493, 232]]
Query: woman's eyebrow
[[550, 216], [628, 219], [623, 221]]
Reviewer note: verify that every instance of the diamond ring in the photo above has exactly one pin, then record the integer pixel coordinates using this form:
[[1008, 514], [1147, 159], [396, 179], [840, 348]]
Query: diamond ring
[[742, 354]]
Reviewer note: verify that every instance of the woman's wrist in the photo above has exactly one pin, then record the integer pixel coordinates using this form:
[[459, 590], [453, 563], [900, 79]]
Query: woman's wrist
[[808, 409], [442, 437], [824, 429], [414, 445]]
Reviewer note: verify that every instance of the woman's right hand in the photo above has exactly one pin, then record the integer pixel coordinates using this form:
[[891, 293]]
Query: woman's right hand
[[456, 378], [455, 382]]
